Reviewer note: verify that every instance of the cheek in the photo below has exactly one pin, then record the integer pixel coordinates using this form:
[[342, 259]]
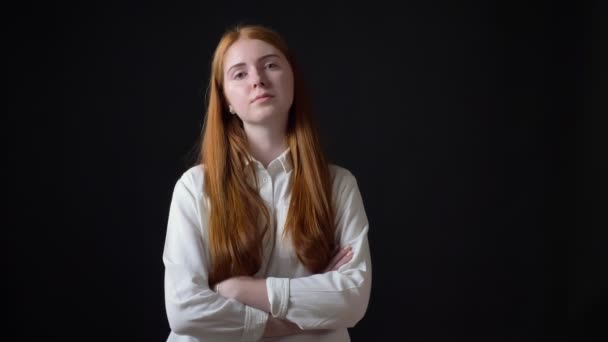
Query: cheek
[[235, 94], [287, 80], [286, 85]]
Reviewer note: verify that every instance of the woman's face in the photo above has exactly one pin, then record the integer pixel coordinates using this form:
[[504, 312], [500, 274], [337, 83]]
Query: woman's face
[[258, 82]]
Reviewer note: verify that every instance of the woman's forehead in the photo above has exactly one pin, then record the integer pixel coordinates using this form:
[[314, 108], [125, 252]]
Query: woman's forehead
[[248, 51]]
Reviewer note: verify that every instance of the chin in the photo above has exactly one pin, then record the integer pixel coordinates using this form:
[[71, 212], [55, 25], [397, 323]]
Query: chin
[[263, 116]]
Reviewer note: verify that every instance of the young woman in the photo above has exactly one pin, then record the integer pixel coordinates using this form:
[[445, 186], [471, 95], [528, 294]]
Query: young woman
[[265, 238]]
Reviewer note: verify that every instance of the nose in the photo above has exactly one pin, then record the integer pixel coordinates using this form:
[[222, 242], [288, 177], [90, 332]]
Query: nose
[[258, 79]]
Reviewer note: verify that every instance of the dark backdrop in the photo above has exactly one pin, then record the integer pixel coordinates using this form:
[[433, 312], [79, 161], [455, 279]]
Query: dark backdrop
[[475, 130]]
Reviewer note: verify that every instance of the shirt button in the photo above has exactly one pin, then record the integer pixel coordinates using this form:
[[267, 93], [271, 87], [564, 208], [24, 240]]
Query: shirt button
[[265, 179]]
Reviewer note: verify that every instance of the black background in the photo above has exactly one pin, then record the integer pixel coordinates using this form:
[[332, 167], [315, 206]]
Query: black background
[[476, 131]]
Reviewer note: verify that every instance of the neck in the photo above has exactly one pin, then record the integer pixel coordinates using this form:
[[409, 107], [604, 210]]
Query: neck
[[265, 143]]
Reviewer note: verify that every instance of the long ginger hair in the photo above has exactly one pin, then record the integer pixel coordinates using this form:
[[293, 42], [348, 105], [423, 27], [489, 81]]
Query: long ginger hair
[[238, 218]]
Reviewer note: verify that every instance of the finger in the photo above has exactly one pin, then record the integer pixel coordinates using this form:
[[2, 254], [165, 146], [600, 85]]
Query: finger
[[336, 258], [333, 259], [338, 254], [348, 257], [336, 250]]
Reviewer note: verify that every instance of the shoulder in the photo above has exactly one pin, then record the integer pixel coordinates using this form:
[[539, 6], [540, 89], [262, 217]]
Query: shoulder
[[339, 172], [346, 194], [342, 178], [193, 180]]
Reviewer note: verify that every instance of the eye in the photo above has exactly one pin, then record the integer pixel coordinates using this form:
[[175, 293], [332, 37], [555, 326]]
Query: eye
[[271, 66], [239, 75]]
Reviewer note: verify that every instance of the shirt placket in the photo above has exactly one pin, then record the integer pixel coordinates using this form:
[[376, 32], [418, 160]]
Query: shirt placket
[[267, 194]]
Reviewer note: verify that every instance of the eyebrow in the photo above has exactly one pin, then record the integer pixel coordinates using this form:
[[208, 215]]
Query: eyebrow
[[259, 59]]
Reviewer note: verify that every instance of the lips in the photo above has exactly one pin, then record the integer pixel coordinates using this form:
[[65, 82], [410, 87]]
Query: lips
[[261, 96]]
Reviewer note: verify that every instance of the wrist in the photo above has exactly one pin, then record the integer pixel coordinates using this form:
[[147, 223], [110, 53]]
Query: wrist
[[228, 288], [237, 287]]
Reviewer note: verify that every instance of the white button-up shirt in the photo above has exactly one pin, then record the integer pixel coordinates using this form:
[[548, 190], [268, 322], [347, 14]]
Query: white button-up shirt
[[333, 300]]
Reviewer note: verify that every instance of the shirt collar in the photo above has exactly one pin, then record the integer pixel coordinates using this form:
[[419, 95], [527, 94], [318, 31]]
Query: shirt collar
[[283, 160]]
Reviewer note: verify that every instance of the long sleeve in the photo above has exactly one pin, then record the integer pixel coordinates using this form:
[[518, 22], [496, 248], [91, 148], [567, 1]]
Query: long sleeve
[[192, 308], [336, 299]]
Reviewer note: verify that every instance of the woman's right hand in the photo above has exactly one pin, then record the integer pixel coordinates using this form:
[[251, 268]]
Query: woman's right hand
[[341, 257], [279, 327]]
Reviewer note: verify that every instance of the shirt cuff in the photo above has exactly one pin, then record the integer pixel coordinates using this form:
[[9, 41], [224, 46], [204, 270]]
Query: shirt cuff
[[255, 323], [278, 296]]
